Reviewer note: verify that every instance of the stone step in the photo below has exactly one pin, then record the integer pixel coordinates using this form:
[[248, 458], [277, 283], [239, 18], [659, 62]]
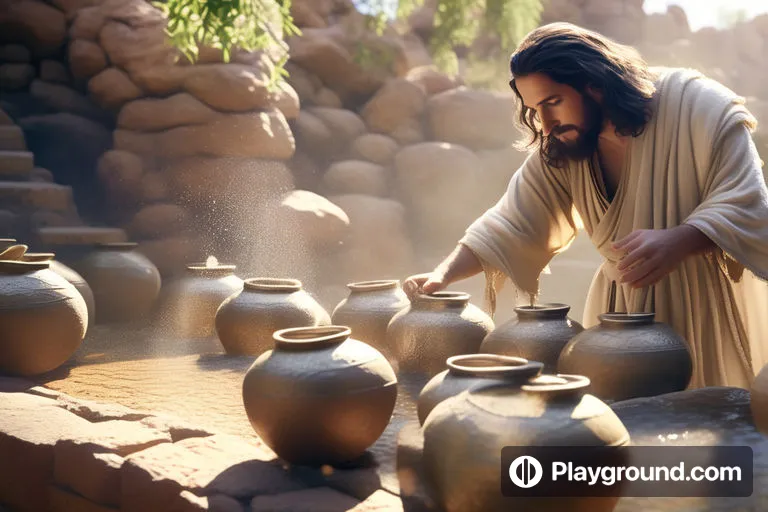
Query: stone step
[[79, 235], [12, 138], [26, 195], [15, 164]]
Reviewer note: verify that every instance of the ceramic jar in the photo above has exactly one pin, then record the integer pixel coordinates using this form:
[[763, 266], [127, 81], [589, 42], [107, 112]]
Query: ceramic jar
[[368, 310], [191, 302], [246, 320], [759, 400], [433, 328], [538, 333], [6, 243], [464, 437], [43, 318], [470, 371], [319, 396], [629, 355]]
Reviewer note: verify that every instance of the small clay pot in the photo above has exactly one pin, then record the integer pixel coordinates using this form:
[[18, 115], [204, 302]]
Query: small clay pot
[[43, 318], [319, 397], [464, 436], [629, 355], [368, 310], [538, 333], [470, 371], [246, 320], [759, 400], [191, 302], [433, 328]]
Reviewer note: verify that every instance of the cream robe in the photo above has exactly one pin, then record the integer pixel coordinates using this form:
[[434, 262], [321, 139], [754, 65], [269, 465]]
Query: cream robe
[[695, 163]]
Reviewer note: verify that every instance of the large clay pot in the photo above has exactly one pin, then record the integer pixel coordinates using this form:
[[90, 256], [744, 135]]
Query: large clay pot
[[6, 243], [319, 397], [759, 400], [629, 355], [125, 283], [368, 310], [246, 321], [538, 333], [71, 276], [433, 328], [470, 371], [464, 437], [191, 302], [43, 318]]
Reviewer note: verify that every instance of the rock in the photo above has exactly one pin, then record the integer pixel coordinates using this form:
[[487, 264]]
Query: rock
[[120, 172], [432, 80], [375, 148], [87, 24], [188, 502], [41, 175], [356, 177], [304, 15], [287, 100], [220, 464], [306, 170], [86, 58], [345, 125], [30, 426], [15, 53], [260, 134], [319, 499], [135, 47], [14, 77], [158, 221], [302, 82], [171, 255], [62, 500], [157, 114], [178, 429], [154, 187], [43, 219], [54, 71], [112, 88], [395, 104], [473, 118], [63, 99], [71, 7], [96, 412], [37, 25], [159, 80], [316, 220], [409, 133], [327, 98], [314, 136], [134, 13]]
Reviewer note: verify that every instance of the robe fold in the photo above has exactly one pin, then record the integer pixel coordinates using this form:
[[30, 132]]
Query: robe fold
[[695, 163]]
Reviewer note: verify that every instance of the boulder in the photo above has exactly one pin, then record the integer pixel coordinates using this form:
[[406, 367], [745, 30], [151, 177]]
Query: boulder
[[87, 24], [356, 177], [375, 148], [397, 103], [158, 114], [112, 88], [14, 77], [316, 220], [86, 58], [39, 26]]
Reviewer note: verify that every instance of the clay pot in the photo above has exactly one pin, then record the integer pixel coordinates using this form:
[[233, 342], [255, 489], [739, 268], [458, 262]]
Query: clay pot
[[433, 328], [43, 318], [125, 283], [71, 276], [192, 301], [464, 436], [368, 310], [6, 243], [246, 321], [320, 396], [629, 355], [759, 400], [539, 333], [470, 371]]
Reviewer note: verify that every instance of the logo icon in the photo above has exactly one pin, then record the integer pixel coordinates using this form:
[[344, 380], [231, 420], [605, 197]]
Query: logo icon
[[525, 471]]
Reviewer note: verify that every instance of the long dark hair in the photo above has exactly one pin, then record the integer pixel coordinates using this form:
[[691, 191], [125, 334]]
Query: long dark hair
[[580, 58]]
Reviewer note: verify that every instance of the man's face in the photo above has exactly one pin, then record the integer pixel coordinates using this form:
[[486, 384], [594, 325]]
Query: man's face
[[569, 121]]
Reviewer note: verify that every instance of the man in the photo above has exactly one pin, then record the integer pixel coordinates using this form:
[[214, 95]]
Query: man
[[660, 168]]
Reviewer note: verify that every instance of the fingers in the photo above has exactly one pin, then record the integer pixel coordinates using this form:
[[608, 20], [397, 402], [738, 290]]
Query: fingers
[[642, 270], [633, 257], [620, 244], [422, 283], [431, 286]]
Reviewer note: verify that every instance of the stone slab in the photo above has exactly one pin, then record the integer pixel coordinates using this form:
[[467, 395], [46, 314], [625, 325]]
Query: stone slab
[[318, 499], [177, 428], [12, 138], [62, 500], [15, 163], [96, 411], [25, 195]]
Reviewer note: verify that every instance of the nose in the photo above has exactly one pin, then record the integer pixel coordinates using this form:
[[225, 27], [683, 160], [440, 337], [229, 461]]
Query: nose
[[548, 124]]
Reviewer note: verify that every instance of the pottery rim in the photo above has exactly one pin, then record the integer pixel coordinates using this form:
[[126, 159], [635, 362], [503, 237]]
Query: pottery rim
[[38, 256], [201, 270], [374, 286], [626, 319], [311, 338], [272, 284], [14, 267], [560, 384], [493, 366], [547, 310], [444, 299]]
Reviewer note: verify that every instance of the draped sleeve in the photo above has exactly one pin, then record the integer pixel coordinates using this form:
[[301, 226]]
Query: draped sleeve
[[532, 222]]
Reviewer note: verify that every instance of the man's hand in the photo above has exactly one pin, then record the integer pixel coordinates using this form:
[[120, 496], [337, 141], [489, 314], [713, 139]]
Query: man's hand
[[651, 254], [426, 284]]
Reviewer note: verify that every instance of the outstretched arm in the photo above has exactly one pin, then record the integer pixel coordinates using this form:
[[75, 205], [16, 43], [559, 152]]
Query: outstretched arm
[[460, 264]]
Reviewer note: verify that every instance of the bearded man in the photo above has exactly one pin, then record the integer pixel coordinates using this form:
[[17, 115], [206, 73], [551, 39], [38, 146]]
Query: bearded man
[[659, 167]]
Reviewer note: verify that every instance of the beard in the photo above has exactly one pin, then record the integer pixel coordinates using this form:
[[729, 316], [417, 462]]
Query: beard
[[558, 153]]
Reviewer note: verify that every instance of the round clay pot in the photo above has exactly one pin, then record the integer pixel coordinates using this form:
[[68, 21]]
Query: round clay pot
[[246, 321], [319, 397], [6, 243], [464, 436], [539, 333], [433, 328], [368, 310], [629, 355], [71, 276], [759, 400], [470, 371], [43, 318], [192, 301], [125, 283]]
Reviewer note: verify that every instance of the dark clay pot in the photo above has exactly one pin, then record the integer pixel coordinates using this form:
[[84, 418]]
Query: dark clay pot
[[433, 328], [470, 371], [464, 436], [319, 397], [539, 333], [125, 283], [43, 318], [246, 320], [629, 355], [368, 310]]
